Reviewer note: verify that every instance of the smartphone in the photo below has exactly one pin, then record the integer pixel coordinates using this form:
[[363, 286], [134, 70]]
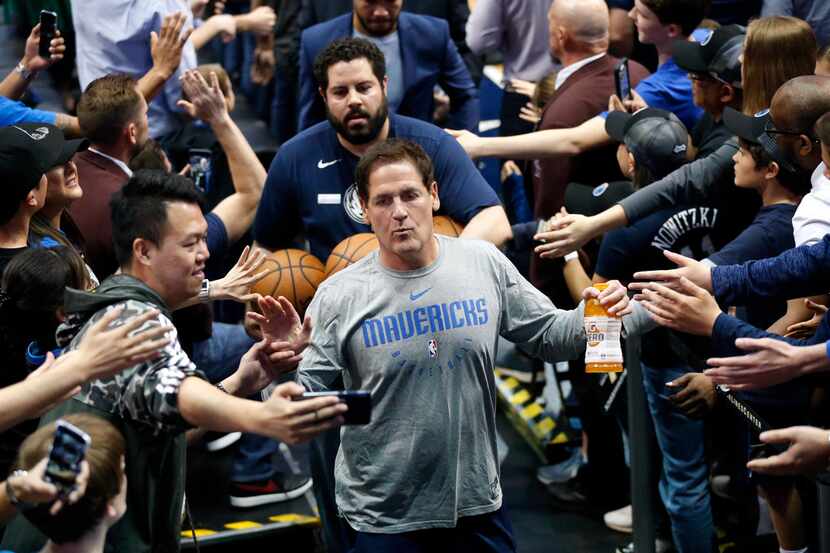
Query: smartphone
[[68, 450], [48, 26], [201, 167], [359, 402], [622, 80]]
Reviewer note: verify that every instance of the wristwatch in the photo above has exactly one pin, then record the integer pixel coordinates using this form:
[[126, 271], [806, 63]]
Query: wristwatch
[[204, 291], [24, 73]]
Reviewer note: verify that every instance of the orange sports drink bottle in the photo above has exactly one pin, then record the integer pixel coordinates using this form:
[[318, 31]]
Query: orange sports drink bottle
[[603, 353]]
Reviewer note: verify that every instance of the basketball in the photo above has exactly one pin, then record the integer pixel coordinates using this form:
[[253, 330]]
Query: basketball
[[350, 250], [441, 224], [295, 274]]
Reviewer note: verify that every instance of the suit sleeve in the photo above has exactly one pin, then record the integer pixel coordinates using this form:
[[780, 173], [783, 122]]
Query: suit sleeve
[[308, 87], [456, 81], [796, 273]]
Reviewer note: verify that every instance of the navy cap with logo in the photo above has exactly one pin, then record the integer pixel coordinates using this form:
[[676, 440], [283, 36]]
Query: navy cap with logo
[[656, 138], [717, 55], [27, 152], [758, 129]]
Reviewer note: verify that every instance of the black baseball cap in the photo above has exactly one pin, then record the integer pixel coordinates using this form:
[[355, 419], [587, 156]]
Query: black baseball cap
[[28, 151], [753, 128], [716, 55], [656, 138], [591, 200]]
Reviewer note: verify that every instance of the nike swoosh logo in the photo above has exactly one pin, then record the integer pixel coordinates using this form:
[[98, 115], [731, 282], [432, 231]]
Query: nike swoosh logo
[[413, 296], [323, 164]]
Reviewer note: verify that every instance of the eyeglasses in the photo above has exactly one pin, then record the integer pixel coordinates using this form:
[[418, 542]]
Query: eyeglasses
[[769, 128]]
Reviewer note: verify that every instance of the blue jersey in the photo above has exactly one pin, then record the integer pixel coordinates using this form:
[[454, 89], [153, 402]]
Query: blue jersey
[[670, 88], [12, 113], [311, 186]]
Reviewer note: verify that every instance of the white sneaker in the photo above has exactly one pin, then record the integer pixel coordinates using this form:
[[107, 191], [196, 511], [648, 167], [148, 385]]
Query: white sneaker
[[660, 546], [619, 520]]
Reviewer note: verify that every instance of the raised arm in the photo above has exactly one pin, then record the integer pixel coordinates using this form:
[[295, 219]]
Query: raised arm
[[536, 145], [690, 183], [101, 353], [237, 211], [166, 49], [16, 82]]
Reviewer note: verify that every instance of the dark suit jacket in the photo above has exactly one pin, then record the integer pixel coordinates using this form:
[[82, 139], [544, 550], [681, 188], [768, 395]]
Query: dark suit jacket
[[99, 178], [428, 55], [582, 96]]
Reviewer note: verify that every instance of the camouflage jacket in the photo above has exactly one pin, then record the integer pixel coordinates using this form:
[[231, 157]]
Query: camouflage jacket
[[146, 393]]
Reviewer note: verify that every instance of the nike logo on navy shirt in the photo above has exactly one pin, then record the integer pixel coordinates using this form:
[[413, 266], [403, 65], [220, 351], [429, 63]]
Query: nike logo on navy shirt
[[413, 296], [323, 164]]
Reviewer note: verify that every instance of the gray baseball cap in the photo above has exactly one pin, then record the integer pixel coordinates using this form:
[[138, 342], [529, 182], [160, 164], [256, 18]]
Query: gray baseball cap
[[656, 138]]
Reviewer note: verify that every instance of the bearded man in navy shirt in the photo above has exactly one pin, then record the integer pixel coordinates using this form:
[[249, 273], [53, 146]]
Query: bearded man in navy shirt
[[310, 186]]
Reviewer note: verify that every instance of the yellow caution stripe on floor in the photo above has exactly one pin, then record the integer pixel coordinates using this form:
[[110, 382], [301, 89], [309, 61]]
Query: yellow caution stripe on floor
[[295, 518], [200, 533], [528, 416], [229, 528], [243, 525]]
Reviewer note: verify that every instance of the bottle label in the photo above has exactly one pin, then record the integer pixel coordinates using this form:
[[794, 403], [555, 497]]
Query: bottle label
[[603, 336]]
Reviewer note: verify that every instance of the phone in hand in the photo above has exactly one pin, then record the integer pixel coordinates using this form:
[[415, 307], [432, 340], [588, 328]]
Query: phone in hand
[[622, 80], [48, 28], [68, 450], [201, 167], [358, 401]]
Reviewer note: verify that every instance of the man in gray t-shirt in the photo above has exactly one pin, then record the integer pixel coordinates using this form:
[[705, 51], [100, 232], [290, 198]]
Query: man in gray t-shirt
[[417, 325]]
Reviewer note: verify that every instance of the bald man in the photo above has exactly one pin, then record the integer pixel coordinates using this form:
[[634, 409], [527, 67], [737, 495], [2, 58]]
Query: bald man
[[578, 37]]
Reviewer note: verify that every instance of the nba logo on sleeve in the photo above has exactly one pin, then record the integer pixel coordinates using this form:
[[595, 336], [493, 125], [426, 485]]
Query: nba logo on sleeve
[[432, 347]]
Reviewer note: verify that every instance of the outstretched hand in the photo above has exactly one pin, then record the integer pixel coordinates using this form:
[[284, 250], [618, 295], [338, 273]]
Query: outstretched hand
[[698, 273], [104, 351], [767, 362], [684, 306], [808, 451], [167, 45], [566, 233], [236, 285], [469, 141], [286, 335], [206, 100]]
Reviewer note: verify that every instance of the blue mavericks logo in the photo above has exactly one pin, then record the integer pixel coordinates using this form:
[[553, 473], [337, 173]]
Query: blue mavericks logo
[[433, 318]]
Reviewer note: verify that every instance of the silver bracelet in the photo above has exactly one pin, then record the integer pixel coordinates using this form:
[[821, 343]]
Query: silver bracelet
[[221, 387], [24, 73], [13, 499]]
